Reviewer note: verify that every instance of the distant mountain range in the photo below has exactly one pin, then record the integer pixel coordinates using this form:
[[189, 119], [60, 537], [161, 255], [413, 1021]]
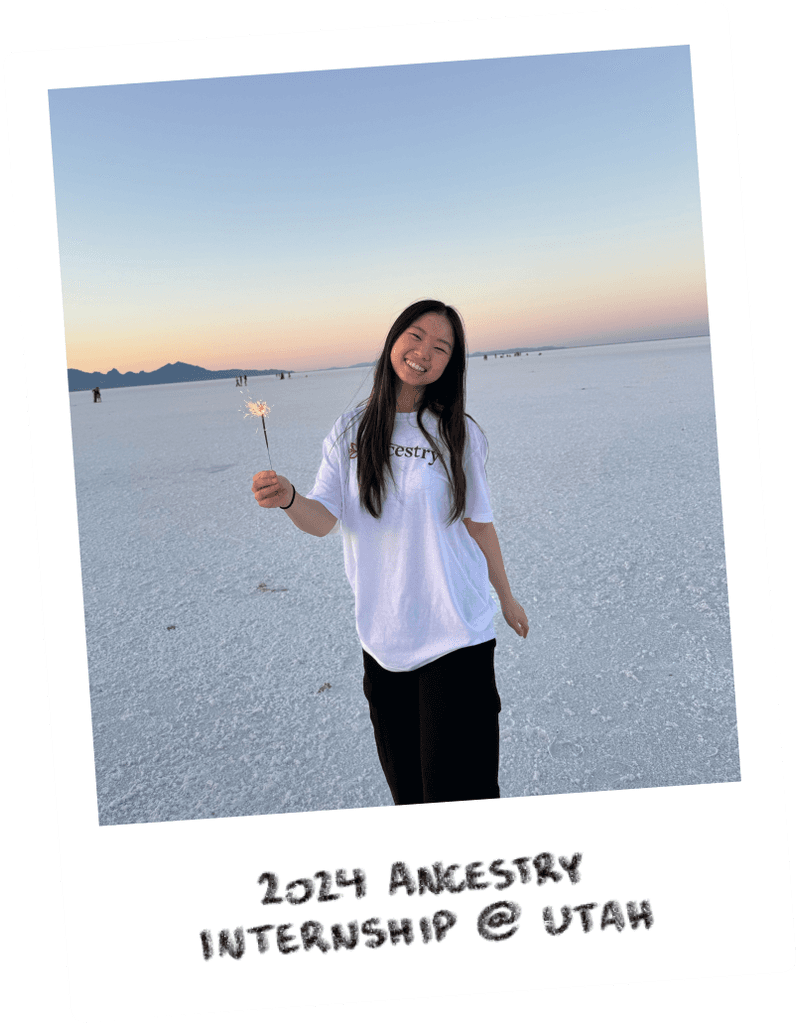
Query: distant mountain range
[[171, 373]]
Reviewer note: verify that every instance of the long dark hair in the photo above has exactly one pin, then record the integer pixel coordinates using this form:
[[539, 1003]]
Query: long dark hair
[[444, 397]]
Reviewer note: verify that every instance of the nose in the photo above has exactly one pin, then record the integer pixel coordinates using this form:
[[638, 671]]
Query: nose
[[425, 350]]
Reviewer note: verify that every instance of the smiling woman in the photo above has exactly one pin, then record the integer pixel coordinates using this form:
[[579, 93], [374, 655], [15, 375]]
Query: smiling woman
[[420, 552]]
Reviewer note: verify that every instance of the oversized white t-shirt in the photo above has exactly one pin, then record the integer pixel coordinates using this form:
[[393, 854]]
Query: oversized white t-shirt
[[421, 588]]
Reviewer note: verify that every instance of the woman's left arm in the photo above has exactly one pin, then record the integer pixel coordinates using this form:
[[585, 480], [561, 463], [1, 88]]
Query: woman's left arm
[[485, 536]]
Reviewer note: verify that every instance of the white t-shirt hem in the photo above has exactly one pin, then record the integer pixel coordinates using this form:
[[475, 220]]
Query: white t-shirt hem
[[489, 634]]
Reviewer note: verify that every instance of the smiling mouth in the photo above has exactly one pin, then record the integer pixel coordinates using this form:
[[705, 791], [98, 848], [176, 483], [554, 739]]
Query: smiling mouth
[[414, 366]]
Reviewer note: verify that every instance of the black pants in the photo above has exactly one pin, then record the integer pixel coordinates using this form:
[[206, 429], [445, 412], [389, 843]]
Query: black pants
[[436, 728]]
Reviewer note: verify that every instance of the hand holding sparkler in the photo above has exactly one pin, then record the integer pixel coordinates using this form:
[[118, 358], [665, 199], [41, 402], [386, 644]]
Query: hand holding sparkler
[[270, 490]]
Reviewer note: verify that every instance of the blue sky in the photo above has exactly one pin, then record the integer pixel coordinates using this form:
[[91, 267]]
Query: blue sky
[[288, 218]]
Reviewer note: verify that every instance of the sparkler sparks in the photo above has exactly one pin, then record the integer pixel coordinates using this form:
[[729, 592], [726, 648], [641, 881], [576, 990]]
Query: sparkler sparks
[[257, 409]]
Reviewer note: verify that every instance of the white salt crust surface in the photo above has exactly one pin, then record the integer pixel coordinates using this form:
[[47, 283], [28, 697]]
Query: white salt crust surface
[[605, 488]]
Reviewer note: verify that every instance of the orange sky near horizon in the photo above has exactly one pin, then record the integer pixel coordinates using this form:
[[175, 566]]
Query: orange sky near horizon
[[550, 313]]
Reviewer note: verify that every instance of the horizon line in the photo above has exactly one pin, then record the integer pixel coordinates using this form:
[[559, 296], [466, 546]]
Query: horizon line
[[351, 366]]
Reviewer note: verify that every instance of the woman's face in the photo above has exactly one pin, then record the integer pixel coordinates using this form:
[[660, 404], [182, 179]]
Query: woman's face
[[420, 355]]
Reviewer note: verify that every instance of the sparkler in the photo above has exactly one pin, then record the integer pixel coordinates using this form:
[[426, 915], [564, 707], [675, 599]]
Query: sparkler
[[262, 410]]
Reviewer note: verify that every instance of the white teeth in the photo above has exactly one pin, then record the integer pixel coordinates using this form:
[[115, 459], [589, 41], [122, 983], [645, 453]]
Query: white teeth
[[415, 366]]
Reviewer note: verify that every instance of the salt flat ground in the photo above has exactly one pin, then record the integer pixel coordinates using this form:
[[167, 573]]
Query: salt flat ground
[[225, 670]]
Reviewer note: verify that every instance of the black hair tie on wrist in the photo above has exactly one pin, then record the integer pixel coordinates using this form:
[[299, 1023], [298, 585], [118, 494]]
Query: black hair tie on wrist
[[286, 507]]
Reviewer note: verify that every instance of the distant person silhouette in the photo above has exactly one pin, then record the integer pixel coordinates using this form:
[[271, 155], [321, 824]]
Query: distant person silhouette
[[244, 378], [97, 395]]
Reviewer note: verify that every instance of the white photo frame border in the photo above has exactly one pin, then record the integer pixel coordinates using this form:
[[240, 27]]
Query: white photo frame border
[[669, 826]]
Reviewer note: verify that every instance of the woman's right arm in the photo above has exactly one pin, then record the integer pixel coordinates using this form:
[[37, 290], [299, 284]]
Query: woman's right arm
[[272, 491]]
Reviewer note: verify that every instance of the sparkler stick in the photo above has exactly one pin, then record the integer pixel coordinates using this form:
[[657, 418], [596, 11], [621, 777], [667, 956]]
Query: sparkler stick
[[262, 410]]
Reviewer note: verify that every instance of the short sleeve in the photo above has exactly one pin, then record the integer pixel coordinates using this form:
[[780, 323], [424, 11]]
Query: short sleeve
[[477, 497], [328, 488]]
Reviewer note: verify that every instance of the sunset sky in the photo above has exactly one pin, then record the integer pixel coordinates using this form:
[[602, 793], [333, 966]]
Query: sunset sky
[[285, 220]]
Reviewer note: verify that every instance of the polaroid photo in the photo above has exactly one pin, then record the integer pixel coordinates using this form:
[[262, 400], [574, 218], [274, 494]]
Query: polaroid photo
[[237, 243]]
